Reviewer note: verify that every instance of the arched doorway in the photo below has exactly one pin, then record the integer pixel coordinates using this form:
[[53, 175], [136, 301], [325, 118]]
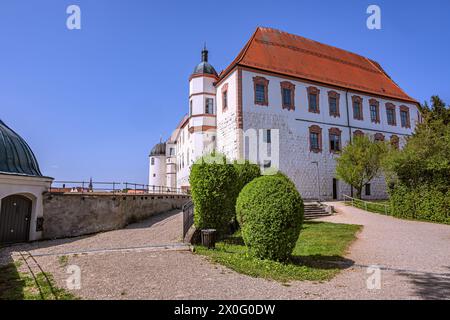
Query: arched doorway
[[15, 216]]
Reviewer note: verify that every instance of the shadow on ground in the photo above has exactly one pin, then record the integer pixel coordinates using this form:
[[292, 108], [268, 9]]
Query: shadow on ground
[[430, 286]]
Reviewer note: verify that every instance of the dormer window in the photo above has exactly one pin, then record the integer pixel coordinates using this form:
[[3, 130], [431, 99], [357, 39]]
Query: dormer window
[[261, 90], [313, 99], [288, 95]]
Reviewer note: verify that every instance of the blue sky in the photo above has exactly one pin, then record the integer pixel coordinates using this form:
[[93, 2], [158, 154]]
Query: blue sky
[[92, 102]]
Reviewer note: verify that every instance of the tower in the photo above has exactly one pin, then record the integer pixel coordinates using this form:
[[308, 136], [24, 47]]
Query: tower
[[202, 107], [157, 166]]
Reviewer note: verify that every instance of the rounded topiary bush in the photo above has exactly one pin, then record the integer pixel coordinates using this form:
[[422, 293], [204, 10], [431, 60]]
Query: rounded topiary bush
[[213, 190], [270, 212]]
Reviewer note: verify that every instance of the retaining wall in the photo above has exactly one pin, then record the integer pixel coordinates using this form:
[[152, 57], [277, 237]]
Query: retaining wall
[[70, 215]]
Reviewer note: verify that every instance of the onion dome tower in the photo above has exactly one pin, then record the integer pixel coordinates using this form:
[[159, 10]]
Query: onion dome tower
[[157, 168], [202, 106]]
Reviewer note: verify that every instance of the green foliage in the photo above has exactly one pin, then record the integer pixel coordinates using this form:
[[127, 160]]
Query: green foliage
[[270, 212], [246, 173], [424, 202], [360, 162], [314, 257], [213, 189], [419, 174]]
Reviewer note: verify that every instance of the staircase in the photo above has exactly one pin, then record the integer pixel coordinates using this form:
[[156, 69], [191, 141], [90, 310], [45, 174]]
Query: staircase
[[314, 210]]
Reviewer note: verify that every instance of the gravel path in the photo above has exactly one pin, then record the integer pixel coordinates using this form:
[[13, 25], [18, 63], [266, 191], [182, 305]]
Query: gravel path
[[414, 256]]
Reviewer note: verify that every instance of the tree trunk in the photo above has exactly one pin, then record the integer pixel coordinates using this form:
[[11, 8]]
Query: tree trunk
[[358, 193]]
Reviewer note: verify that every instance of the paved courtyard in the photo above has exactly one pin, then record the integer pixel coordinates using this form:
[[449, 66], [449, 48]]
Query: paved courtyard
[[147, 261]]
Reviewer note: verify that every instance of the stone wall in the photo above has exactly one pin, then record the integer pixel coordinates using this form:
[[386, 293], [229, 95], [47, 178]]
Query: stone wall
[[70, 215]]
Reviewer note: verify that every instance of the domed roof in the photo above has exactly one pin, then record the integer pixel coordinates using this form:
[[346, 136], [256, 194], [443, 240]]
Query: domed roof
[[158, 150], [204, 67], [16, 156]]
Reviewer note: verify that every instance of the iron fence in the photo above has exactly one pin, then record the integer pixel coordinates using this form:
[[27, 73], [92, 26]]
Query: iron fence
[[112, 187]]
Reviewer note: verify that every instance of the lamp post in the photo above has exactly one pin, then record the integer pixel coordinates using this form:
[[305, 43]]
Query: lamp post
[[318, 178]]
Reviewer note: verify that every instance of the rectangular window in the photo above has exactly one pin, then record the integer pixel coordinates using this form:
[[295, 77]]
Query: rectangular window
[[209, 106], [190, 108], [374, 113], [368, 189], [224, 100], [313, 102], [404, 118], [335, 142], [260, 93], [333, 106], [267, 136], [357, 110], [390, 116], [153, 161], [267, 164], [287, 97], [314, 140]]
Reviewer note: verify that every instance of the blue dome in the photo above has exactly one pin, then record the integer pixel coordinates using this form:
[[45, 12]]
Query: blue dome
[[16, 156]]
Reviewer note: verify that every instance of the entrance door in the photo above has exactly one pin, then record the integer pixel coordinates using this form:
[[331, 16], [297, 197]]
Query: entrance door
[[335, 189], [15, 219]]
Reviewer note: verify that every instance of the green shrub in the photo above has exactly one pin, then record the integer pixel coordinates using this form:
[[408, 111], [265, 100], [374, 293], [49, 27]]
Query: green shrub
[[425, 202], [246, 173], [270, 212], [213, 189]]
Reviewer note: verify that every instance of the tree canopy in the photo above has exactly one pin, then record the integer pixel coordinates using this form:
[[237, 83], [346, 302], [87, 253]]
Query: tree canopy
[[360, 162]]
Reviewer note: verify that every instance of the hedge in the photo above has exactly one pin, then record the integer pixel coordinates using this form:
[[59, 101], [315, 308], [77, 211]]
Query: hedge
[[246, 173], [270, 212], [213, 189], [425, 202]]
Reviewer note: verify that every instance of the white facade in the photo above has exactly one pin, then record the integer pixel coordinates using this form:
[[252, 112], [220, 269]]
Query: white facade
[[313, 172], [31, 188]]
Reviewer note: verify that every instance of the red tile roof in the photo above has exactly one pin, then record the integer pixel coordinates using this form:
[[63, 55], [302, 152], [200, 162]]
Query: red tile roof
[[291, 55]]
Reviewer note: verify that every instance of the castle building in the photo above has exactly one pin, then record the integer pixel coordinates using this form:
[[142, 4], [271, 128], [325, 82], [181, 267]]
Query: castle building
[[21, 189], [300, 100]]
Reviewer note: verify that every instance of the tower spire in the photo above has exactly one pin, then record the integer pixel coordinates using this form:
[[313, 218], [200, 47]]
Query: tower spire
[[204, 54]]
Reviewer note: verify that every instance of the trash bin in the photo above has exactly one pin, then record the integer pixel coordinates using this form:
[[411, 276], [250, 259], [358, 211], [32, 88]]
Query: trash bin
[[209, 238]]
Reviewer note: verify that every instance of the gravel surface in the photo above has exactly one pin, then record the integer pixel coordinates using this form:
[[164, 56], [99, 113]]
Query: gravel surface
[[414, 257]]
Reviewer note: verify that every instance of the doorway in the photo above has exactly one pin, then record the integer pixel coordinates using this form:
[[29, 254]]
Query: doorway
[[335, 189], [15, 216]]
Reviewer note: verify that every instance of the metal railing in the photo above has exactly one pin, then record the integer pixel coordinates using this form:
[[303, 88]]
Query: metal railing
[[112, 187], [368, 205], [188, 217]]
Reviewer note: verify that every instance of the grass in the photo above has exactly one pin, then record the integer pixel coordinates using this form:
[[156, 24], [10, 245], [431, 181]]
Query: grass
[[317, 256], [63, 261], [16, 285]]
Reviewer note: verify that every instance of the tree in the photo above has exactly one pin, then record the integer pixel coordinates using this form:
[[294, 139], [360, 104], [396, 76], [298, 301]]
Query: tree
[[425, 159], [360, 162]]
